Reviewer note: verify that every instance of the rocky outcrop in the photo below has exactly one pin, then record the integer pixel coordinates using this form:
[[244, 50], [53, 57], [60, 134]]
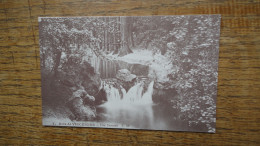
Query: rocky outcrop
[[82, 106], [125, 75], [100, 98]]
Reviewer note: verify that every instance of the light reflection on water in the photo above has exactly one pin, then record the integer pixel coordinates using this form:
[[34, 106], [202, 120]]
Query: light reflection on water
[[140, 116]]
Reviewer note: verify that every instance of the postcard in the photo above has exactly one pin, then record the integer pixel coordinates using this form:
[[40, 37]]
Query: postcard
[[130, 72]]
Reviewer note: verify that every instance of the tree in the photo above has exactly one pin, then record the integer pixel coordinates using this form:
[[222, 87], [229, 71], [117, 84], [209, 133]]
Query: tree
[[126, 36]]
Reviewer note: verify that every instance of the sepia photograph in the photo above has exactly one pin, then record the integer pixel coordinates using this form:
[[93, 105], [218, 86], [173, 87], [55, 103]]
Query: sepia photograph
[[130, 72]]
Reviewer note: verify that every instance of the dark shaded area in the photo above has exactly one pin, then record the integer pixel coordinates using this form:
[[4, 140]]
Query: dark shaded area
[[100, 97]]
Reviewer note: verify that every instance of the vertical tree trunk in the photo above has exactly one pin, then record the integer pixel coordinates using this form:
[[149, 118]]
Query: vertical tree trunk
[[117, 36], [104, 40], [126, 28], [114, 40]]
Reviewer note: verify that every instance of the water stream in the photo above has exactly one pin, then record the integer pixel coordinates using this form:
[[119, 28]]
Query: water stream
[[134, 106], [129, 108]]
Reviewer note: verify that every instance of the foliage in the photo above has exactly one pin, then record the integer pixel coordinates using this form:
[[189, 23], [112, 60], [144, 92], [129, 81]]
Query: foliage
[[194, 53]]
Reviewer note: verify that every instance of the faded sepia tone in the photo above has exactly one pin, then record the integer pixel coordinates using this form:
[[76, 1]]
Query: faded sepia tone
[[20, 79], [152, 72]]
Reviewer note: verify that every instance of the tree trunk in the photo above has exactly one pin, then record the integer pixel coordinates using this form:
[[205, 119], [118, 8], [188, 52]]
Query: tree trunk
[[126, 30]]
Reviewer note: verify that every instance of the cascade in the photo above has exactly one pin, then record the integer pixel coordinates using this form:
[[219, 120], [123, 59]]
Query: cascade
[[130, 107], [147, 97], [112, 93], [108, 68], [134, 94], [123, 91]]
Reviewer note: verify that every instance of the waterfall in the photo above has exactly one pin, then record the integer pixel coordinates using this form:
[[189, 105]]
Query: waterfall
[[106, 68], [133, 96], [123, 91], [130, 108], [112, 93], [147, 97]]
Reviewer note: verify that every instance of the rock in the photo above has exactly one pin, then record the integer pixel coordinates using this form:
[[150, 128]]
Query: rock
[[80, 111], [125, 75], [82, 105], [139, 69], [78, 93], [91, 85], [100, 97]]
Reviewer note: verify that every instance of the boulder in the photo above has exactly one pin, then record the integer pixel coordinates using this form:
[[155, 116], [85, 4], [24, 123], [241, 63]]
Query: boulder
[[82, 105], [101, 97], [125, 75], [80, 111]]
